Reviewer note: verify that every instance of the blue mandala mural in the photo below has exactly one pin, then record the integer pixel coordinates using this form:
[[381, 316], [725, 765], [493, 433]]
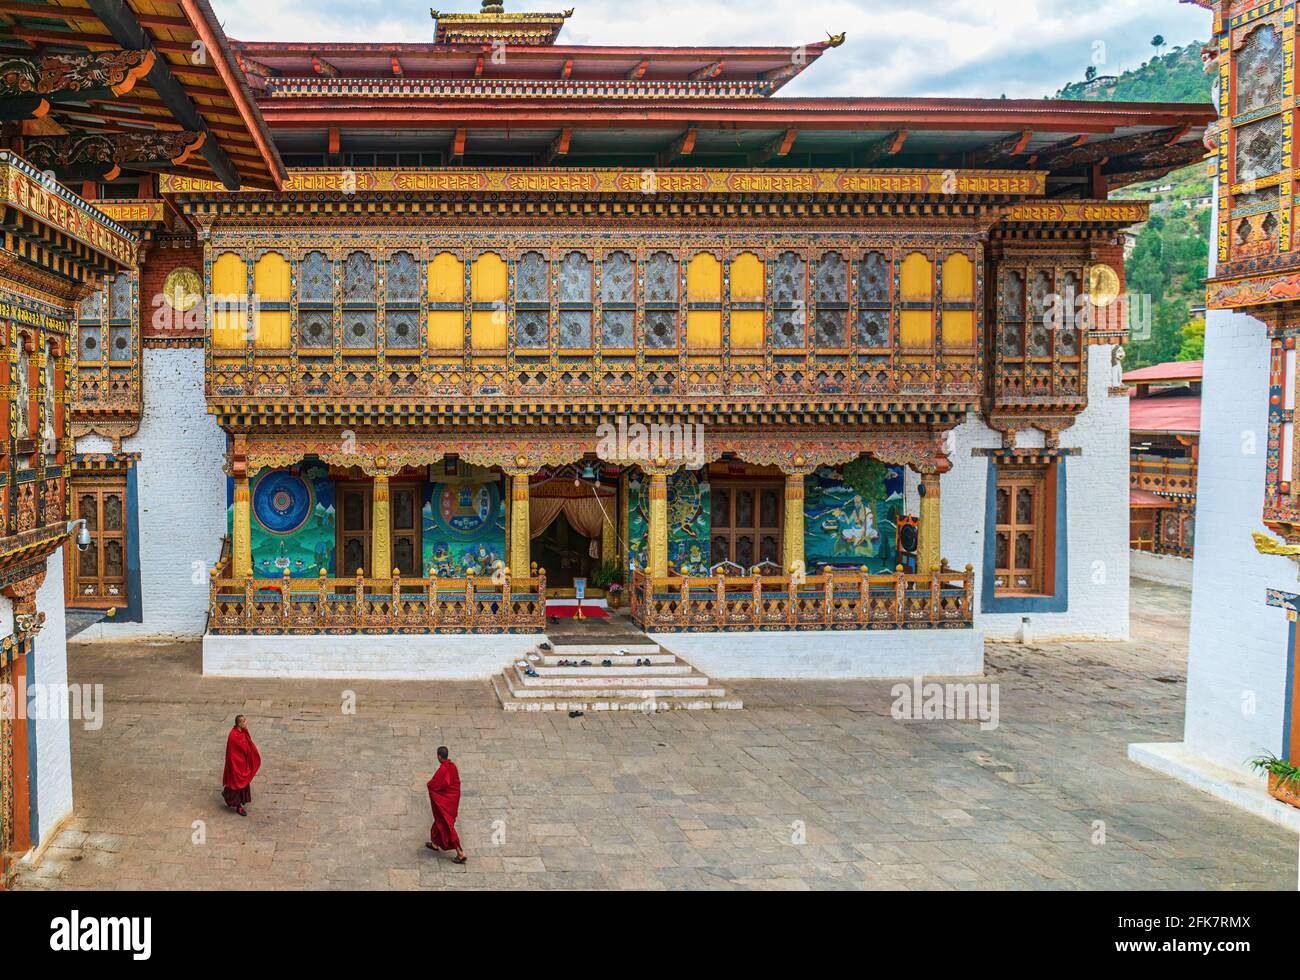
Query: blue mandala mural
[[282, 502]]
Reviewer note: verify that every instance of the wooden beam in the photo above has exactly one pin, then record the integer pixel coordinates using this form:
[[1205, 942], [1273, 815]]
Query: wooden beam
[[711, 70], [567, 70], [999, 150], [64, 77], [559, 147], [887, 147], [322, 67], [637, 72], [779, 147], [102, 156], [397, 67], [457, 153], [69, 14], [683, 146], [334, 140], [127, 32]]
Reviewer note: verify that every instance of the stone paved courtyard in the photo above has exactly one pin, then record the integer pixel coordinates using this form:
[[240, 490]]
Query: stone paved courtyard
[[675, 800]]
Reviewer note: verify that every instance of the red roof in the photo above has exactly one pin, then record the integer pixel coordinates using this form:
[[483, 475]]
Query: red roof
[[1174, 412], [1168, 371]]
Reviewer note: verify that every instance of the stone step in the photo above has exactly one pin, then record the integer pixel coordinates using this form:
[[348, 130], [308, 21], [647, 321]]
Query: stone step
[[616, 670], [628, 660], [599, 651], [586, 701], [556, 690], [613, 677]]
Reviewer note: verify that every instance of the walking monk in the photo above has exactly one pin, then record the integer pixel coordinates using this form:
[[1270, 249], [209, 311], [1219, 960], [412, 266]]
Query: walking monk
[[444, 799], [242, 763]]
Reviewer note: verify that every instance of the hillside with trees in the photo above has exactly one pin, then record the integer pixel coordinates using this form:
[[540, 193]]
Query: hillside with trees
[[1168, 257]]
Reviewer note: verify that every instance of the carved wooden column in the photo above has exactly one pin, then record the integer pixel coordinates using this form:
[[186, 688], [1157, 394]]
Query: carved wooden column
[[520, 544], [794, 531], [241, 543], [657, 533], [608, 533], [928, 551], [381, 529]]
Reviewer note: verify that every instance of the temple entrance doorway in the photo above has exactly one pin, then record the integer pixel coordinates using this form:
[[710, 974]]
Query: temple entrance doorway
[[566, 553]]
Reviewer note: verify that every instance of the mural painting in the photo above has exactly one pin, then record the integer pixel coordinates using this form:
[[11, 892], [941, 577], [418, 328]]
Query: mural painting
[[850, 513], [688, 522], [464, 527], [293, 523]]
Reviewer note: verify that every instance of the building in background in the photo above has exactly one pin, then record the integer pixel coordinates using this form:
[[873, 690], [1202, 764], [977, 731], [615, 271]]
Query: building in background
[[402, 393], [1164, 419], [1242, 698], [99, 99]]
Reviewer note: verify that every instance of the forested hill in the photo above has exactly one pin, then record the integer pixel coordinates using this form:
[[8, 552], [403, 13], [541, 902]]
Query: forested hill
[[1168, 259], [1175, 75]]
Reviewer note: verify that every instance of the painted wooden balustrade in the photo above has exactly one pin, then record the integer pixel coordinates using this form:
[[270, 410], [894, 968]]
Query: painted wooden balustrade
[[837, 600], [373, 605]]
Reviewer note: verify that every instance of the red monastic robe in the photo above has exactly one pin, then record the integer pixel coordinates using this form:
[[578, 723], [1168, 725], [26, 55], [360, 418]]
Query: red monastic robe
[[444, 800], [242, 763]]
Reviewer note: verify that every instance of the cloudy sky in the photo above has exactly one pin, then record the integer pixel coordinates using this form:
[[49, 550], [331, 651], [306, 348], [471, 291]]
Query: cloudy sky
[[1020, 48]]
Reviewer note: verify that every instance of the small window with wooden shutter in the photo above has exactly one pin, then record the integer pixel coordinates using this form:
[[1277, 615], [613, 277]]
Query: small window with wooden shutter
[[1025, 539]]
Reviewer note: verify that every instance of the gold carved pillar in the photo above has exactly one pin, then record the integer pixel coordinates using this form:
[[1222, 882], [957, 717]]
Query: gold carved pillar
[[928, 551], [794, 536], [241, 543], [520, 529], [381, 529], [608, 531], [657, 533]]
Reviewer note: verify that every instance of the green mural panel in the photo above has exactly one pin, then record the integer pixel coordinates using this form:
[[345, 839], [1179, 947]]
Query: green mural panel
[[464, 527], [292, 521], [850, 513], [688, 522]]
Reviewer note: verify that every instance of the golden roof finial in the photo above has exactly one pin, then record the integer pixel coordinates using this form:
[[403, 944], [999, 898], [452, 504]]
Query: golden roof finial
[[837, 39], [493, 7]]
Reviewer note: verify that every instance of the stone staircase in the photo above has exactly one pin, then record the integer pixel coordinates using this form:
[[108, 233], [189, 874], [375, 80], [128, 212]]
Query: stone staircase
[[665, 683]]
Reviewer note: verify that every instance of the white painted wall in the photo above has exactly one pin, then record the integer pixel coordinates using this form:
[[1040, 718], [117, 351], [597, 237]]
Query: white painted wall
[[830, 655], [182, 490], [1165, 569], [52, 734], [1237, 652], [1097, 509]]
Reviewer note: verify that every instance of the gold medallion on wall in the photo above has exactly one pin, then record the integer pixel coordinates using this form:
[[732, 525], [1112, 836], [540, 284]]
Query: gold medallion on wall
[[183, 289], [1103, 285]]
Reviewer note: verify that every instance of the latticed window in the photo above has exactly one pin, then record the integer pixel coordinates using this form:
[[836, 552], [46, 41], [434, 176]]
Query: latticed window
[[1011, 313], [789, 307], [617, 300], [532, 301], [1259, 149], [1259, 69], [401, 302], [661, 302], [1023, 533], [90, 331], [831, 327], [1067, 333], [359, 314], [575, 301], [120, 318], [1040, 337], [23, 391], [871, 325], [316, 301]]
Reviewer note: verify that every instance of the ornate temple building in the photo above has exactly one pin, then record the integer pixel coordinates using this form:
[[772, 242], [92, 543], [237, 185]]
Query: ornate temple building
[[828, 386], [1164, 422], [1243, 698], [95, 99]]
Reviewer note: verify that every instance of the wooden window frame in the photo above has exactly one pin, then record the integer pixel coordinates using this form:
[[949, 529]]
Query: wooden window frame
[[756, 486], [415, 533], [100, 485], [1041, 478], [367, 491]]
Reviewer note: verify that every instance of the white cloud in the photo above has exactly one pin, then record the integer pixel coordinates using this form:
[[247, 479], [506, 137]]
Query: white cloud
[[1021, 48]]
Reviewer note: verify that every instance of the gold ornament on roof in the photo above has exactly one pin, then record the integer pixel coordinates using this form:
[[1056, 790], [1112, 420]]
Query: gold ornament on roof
[[837, 39]]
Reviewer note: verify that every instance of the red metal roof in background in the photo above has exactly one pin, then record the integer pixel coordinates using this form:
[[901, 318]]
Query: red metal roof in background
[[1168, 371], [1172, 412]]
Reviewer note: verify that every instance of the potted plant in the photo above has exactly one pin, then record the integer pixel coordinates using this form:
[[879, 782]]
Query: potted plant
[[1283, 778], [610, 578]]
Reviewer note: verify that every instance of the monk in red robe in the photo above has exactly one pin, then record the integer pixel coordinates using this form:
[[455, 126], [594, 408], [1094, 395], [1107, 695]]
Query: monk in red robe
[[444, 799], [242, 763]]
